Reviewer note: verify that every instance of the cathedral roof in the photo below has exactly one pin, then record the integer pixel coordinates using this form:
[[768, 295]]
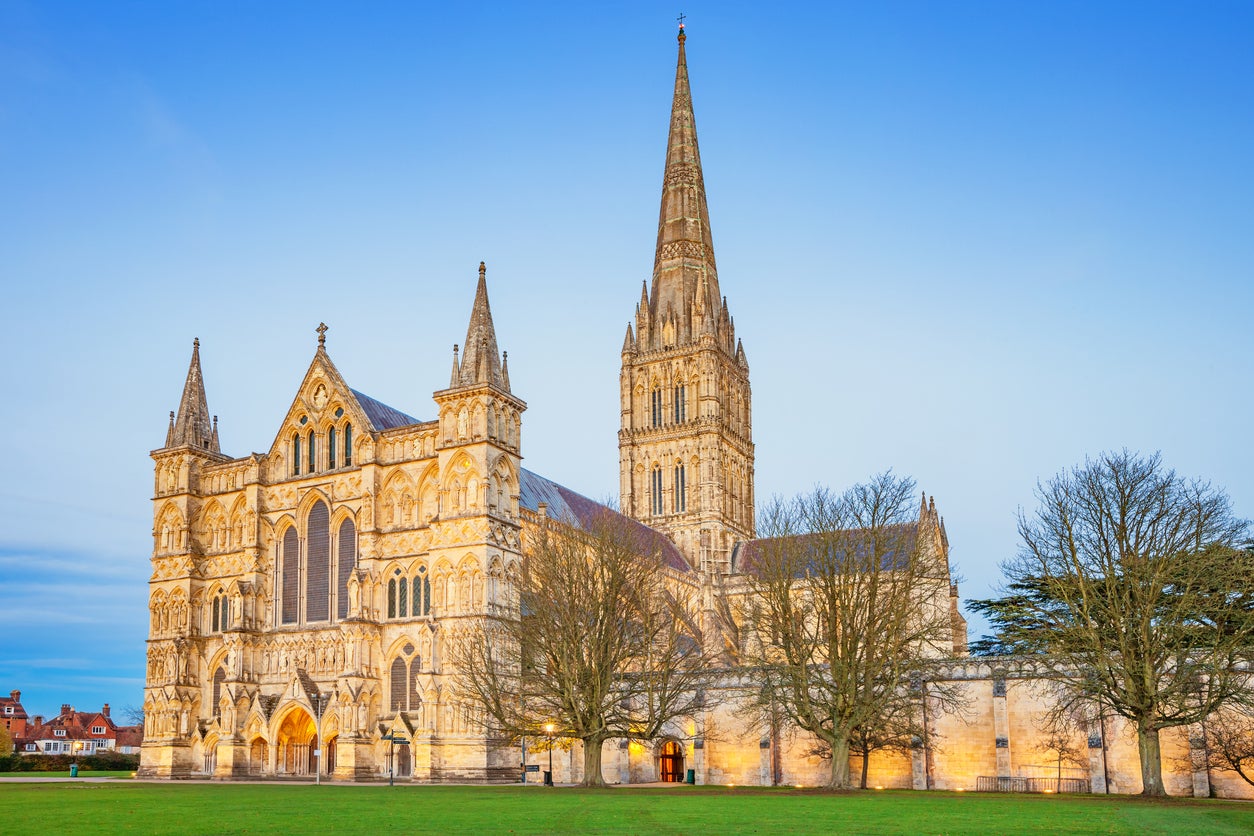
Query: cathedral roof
[[746, 552], [382, 416], [566, 505]]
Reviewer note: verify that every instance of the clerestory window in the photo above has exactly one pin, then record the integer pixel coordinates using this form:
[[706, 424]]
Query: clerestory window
[[681, 493], [656, 490]]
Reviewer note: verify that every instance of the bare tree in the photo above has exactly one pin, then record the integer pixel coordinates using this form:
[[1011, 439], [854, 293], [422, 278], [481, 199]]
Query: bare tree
[[846, 599], [898, 730], [1128, 589], [1061, 741], [1228, 745], [604, 644]]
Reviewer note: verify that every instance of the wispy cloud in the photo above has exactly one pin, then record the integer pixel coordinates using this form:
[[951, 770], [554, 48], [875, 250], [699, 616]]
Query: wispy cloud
[[82, 620]]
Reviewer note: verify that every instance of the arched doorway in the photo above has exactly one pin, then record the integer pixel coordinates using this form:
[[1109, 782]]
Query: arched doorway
[[404, 762], [210, 753], [330, 753], [297, 739], [257, 756], [671, 762]]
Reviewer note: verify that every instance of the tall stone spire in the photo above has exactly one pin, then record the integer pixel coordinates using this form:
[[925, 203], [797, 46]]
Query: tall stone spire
[[683, 265], [481, 360], [193, 426]]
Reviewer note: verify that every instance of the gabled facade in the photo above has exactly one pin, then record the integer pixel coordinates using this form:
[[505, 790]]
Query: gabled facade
[[71, 732], [302, 595], [13, 715]]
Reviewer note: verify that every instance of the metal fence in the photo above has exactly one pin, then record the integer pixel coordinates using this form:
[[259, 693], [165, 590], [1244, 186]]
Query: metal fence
[[985, 783]]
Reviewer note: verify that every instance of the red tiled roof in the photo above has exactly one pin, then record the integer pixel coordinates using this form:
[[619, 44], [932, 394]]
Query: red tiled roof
[[130, 735], [18, 711]]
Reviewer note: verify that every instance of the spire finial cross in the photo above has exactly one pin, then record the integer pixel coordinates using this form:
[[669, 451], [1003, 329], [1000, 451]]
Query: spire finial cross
[[682, 17], [322, 333]]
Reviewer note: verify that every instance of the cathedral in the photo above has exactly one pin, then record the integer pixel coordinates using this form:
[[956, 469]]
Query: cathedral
[[301, 599]]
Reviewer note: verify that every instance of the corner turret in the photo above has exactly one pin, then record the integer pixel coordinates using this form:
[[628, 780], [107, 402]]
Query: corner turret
[[193, 426]]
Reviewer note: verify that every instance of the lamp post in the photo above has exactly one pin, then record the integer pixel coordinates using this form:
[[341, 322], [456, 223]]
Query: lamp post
[[549, 730], [392, 740], [319, 706]]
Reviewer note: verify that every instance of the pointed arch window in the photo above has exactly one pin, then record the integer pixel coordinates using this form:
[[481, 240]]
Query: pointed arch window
[[657, 406], [295, 454], [290, 606], [313, 452], [221, 612], [681, 404], [392, 596], [331, 448], [318, 563], [346, 554], [400, 673], [681, 492], [219, 677], [656, 485], [348, 445], [422, 592]]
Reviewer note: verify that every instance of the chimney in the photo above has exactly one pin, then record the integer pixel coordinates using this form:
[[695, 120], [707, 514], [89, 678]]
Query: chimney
[[105, 710], [66, 708], [16, 696], [38, 720]]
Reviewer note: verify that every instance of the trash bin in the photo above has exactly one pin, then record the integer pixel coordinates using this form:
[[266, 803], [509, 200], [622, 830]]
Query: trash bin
[[73, 770], [691, 778], [548, 778]]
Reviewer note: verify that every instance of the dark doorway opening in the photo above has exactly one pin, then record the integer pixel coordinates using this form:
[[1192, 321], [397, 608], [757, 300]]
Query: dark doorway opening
[[672, 762]]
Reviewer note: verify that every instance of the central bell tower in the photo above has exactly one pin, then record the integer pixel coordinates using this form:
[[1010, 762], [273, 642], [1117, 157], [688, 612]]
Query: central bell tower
[[685, 444]]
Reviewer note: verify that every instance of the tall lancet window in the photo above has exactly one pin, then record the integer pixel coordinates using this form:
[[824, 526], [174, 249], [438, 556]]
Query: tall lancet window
[[317, 563], [331, 448], [290, 598], [657, 490], [681, 493], [296, 454], [657, 407], [313, 452], [348, 445], [681, 405], [346, 555]]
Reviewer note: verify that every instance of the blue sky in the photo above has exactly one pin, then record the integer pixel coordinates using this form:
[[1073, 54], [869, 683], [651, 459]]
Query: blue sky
[[972, 242]]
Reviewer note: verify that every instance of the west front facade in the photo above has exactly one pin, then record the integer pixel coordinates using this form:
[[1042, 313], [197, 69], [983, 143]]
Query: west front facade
[[301, 599]]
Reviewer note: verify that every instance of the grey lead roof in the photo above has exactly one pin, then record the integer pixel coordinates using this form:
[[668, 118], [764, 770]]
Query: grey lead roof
[[566, 505], [382, 416]]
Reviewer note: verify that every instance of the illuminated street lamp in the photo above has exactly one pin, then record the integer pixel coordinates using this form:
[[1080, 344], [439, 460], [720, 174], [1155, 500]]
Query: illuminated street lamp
[[549, 731]]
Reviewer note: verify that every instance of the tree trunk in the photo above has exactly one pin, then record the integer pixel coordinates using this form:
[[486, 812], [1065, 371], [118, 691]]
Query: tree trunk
[[1151, 761], [592, 763], [866, 760], [840, 765]]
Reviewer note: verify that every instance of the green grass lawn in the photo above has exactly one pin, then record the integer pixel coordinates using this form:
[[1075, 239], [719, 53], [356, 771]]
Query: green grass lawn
[[65, 773], [141, 807]]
